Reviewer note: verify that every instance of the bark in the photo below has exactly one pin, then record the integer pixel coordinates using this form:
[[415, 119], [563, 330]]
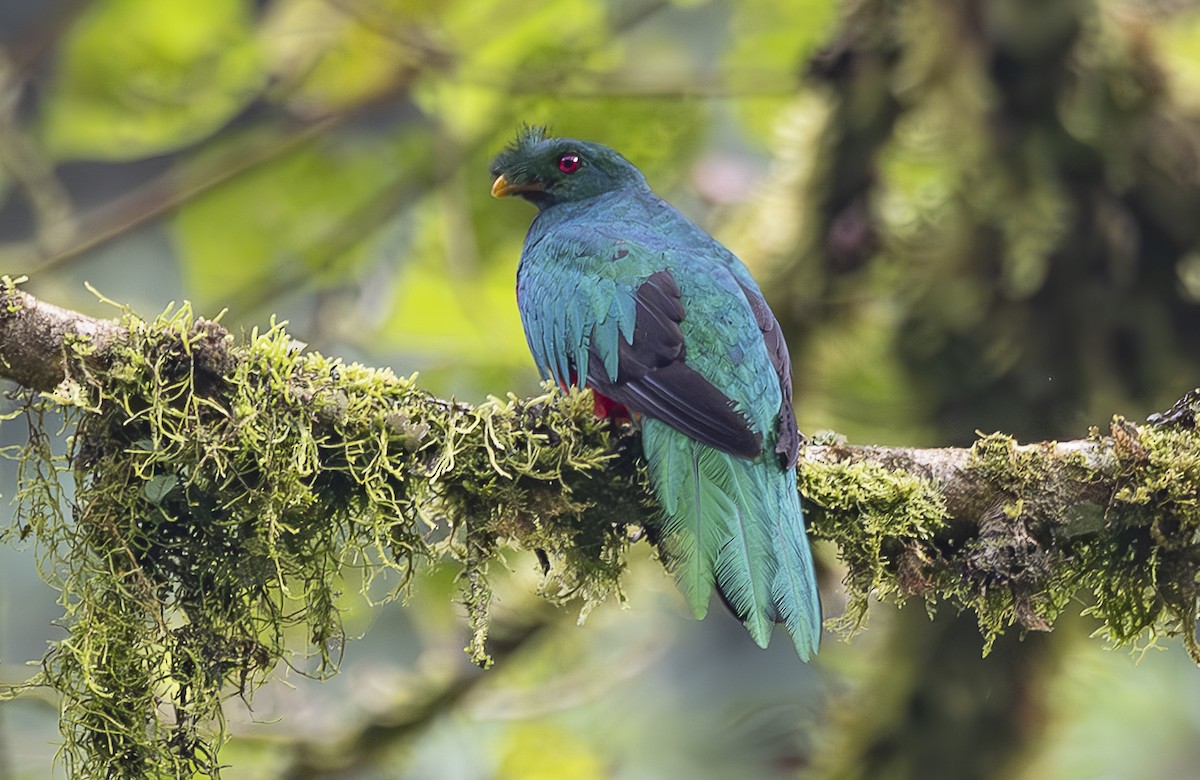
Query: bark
[[34, 336]]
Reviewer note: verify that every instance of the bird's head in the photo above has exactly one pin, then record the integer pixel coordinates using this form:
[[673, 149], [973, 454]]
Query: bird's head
[[548, 171]]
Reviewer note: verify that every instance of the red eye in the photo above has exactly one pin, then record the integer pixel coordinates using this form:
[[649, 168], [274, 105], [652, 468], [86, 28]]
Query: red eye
[[568, 163]]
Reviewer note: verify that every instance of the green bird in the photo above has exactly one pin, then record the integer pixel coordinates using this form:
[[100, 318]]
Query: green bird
[[621, 293]]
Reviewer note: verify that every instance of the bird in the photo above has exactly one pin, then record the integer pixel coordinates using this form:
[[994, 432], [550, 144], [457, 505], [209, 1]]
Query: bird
[[621, 293]]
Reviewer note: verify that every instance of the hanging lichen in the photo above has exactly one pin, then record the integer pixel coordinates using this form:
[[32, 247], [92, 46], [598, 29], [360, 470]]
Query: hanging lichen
[[214, 501], [220, 495]]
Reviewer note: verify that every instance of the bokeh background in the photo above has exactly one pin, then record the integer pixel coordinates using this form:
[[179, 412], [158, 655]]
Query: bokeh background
[[969, 216]]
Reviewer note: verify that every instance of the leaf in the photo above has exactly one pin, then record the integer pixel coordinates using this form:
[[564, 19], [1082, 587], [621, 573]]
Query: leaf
[[158, 487]]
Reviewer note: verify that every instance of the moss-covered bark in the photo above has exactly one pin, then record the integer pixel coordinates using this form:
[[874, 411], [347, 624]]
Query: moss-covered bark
[[224, 492]]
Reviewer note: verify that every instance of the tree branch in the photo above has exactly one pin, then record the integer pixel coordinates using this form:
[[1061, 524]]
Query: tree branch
[[944, 504], [34, 337], [214, 476]]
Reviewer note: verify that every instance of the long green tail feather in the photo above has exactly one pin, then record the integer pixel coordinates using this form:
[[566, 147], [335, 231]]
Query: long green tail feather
[[746, 563], [691, 542], [794, 589], [737, 524]]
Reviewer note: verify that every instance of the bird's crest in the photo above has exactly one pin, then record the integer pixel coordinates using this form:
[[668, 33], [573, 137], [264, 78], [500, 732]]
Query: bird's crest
[[520, 149], [529, 136]]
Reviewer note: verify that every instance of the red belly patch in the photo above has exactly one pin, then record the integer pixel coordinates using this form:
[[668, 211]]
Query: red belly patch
[[607, 408], [604, 407]]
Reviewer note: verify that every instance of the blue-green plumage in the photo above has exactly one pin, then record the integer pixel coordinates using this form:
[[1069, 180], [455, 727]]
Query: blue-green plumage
[[620, 292]]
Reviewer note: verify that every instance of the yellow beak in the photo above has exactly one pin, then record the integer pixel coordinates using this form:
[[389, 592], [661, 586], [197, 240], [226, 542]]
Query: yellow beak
[[502, 187]]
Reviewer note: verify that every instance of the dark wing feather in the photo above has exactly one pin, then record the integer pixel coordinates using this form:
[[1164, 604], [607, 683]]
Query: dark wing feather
[[788, 444], [653, 379]]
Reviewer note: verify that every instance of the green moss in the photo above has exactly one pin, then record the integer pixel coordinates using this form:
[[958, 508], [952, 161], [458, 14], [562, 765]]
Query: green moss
[[1115, 526], [223, 494], [1155, 555], [882, 521], [558, 493], [1131, 549], [1011, 570], [8, 293], [995, 457]]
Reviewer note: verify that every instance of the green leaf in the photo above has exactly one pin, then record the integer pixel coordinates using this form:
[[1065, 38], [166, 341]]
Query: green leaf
[[158, 487]]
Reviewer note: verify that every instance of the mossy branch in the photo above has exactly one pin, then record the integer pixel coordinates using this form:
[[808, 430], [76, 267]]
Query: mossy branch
[[225, 492]]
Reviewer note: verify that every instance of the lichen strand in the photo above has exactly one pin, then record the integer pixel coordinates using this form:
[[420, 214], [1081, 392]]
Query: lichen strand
[[223, 495], [563, 492], [883, 522]]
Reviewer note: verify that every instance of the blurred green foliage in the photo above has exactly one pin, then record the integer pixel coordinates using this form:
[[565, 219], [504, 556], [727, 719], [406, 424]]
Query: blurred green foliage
[[180, 71]]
